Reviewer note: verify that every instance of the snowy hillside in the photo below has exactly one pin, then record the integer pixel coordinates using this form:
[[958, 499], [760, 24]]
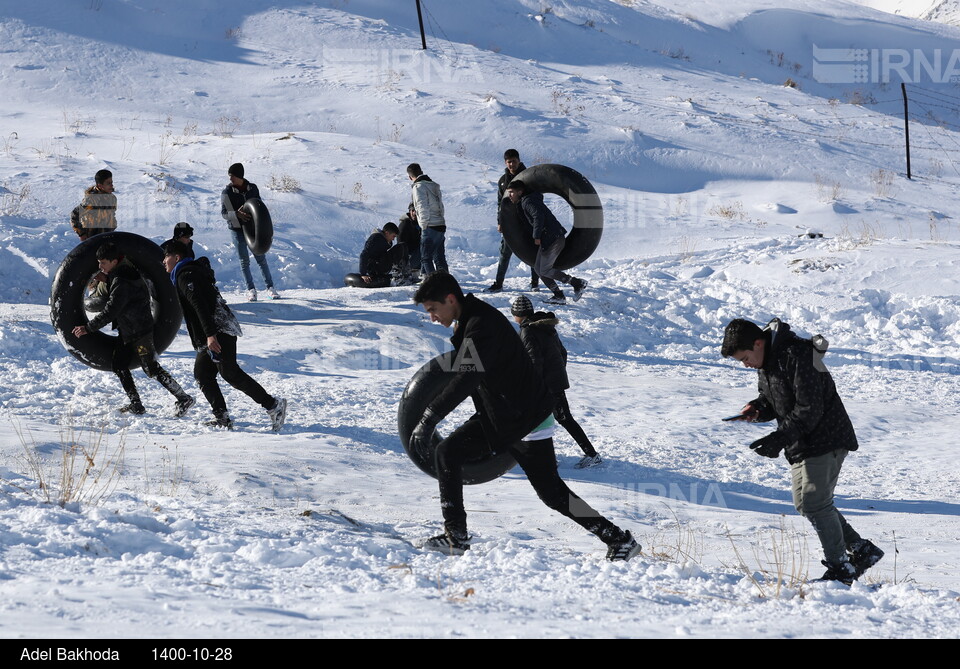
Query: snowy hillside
[[715, 145]]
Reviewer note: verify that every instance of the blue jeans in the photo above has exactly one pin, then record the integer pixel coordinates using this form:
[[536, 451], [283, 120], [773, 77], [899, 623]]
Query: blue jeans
[[244, 252], [431, 249]]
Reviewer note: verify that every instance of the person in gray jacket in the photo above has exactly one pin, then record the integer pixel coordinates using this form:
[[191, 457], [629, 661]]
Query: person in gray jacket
[[429, 208]]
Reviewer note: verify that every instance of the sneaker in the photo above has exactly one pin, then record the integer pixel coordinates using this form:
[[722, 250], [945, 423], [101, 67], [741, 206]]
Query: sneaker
[[588, 461], [183, 405], [841, 571], [278, 414], [136, 408], [272, 292], [623, 550], [495, 288], [451, 544], [578, 285], [401, 278], [221, 420], [557, 298], [863, 555], [252, 295]]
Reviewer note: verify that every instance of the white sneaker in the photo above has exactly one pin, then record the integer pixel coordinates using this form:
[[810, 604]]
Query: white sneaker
[[278, 414], [272, 292], [588, 461], [252, 295]]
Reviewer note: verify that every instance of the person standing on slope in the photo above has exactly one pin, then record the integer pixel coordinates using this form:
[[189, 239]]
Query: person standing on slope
[[97, 212], [234, 195], [433, 226], [813, 431], [513, 167]]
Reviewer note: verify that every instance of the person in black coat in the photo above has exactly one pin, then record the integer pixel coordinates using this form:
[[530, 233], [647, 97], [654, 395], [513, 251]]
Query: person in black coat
[[813, 431], [512, 167], [127, 306], [538, 332], [513, 413], [381, 259], [183, 233], [550, 238], [234, 196], [213, 331], [410, 236]]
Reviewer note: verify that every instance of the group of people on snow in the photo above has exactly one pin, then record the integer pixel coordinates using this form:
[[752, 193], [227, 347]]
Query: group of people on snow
[[519, 390], [422, 230], [121, 296]]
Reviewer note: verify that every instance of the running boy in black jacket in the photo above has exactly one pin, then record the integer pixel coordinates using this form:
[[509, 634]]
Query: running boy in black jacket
[[512, 413], [213, 331], [538, 332], [128, 308]]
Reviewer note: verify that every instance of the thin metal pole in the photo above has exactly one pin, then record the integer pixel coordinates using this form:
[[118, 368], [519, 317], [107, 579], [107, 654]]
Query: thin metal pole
[[423, 37], [906, 123]]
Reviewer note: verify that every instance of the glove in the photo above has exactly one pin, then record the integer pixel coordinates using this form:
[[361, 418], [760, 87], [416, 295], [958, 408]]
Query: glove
[[770, 445], [422, 435]]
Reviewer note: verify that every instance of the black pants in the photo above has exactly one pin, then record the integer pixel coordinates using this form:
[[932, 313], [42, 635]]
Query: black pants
[[561, 411], [205, 370], [144, 349], [396, 260], [539, 463]]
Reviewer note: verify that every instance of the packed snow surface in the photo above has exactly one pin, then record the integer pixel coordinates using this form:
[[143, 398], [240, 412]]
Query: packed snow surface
[[734, 185]]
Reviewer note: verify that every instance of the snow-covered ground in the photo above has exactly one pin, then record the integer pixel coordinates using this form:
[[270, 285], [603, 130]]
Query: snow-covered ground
[[711, 171]]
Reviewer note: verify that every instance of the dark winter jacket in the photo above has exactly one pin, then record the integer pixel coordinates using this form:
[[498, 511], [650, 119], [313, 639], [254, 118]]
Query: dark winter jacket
[[504, 183], [546, 351], [546, 227], [797, 390], [204, 309], [191, 253], [373, 259], [232, 198], [494, 369], [409, 232], [127, 305]]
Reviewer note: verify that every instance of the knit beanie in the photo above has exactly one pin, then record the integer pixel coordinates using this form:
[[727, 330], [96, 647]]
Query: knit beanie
[[236, 170], [521, 306]]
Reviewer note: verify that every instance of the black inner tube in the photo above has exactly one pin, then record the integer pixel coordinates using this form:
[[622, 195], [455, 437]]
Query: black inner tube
[[258, 231], [69, 288], [425, 385], [579, 193]]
